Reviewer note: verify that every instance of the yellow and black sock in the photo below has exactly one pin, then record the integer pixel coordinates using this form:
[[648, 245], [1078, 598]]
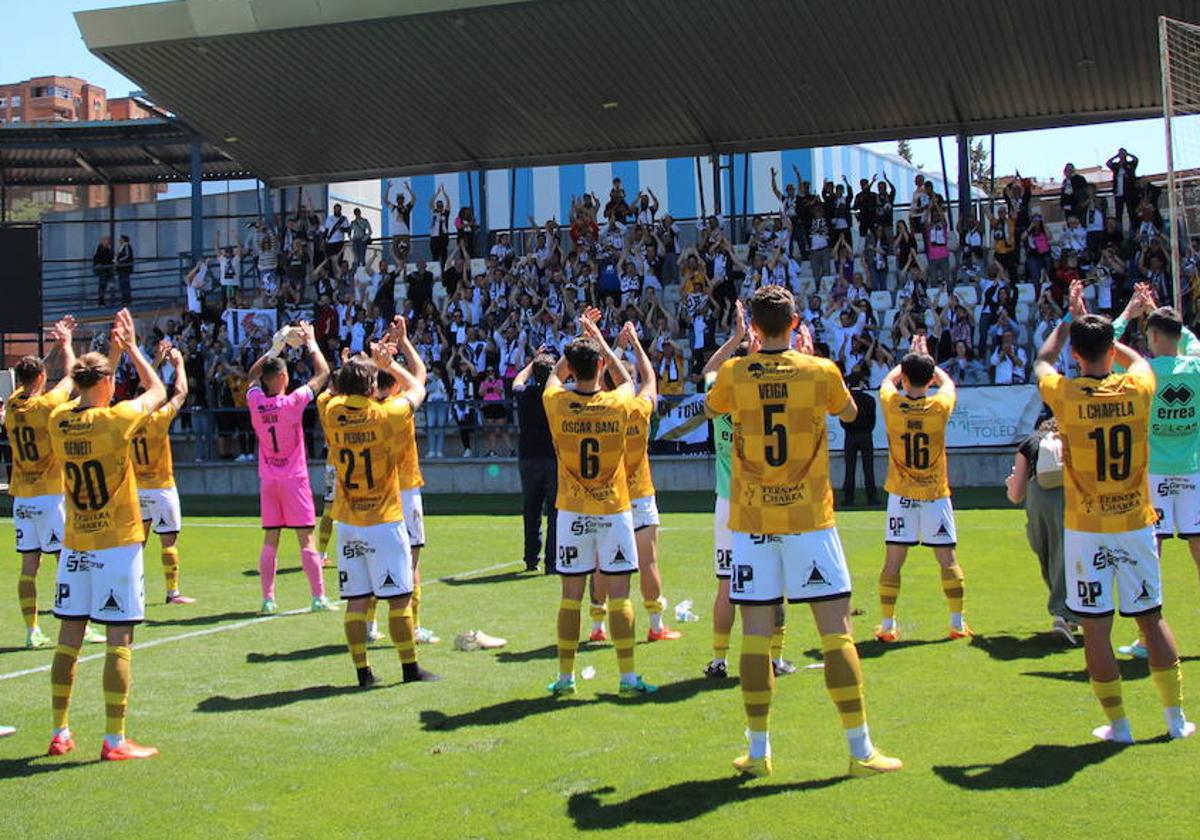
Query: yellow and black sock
[[1109, 695], [373, 609], [324, 532], [27, 597], [118, 676], [844, 682], [777, 642], [598, 612], [1169, 682], [415, 603], [568, 635], [758, 684], [952, 588], [356, 637], [889, 593], [654, 609], [170, 563], [720, 645], [62, 681], [400, 627], [620, 621]]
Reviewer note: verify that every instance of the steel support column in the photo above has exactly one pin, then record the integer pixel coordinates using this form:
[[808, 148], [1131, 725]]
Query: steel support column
[[197, 181], [964, 178]]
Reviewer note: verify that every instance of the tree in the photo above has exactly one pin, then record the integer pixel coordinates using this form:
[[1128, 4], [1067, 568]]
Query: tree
[[978, 164], [27, 210], [904, 149]]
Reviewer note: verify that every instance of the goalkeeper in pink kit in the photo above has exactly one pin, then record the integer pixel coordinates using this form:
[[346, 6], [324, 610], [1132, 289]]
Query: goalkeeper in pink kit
[[286, 499]]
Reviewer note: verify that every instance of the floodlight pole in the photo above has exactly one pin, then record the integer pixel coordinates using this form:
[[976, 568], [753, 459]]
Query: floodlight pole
[[700, 184], [964, 178], [1164, 63]]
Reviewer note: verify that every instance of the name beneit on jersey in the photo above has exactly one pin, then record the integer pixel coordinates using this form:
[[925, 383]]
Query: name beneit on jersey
[[77, 447], [595, 427], [1105, 411]]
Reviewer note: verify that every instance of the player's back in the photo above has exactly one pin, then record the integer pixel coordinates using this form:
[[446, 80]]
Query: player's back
[[637, 449], [589, 433], [1105, 426], [365, 438], [36, 471], [916, 432], [408, 465], [1174, 420], [101, 493], [153, 463], [778, 403], [278, 424]]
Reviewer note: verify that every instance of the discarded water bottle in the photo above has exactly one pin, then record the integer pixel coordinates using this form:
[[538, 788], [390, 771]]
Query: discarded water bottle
[[683, 611], [588, 672]]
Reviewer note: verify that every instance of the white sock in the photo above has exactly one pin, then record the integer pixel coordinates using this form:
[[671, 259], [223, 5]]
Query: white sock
[[718, 660], [656, 622], [629, 679], [859, 739], [1118, 730], [887, 624], [566, 677], [172, 593], [65, 732], [598, 626], [373, 628], [113, 741], [1176, 722], [760, 745], [956, 620], [777, 661]]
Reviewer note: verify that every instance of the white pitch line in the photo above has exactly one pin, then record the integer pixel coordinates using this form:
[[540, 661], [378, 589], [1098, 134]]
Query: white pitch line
[[237, 625]]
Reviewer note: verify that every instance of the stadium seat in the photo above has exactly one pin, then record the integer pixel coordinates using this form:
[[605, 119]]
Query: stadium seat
[[478, 266], [881, 301], [967, 295], [889, 318], [1026, 293], [1024, 313]]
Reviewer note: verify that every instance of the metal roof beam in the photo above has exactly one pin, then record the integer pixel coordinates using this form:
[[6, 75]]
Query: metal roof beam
[[83, 162], [157, 161]]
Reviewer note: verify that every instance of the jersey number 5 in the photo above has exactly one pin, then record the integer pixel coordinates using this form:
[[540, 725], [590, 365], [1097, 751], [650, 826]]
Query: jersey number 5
[[775, 452]]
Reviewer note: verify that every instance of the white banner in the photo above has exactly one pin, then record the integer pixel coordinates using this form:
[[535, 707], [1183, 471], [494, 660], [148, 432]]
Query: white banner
[[683, 422], [244, 324], [1000, 415]]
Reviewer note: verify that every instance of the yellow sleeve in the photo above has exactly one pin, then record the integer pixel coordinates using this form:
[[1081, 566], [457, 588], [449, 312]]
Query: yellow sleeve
[[398, 412], [839, 394], [887, 391], [130, 417], [1051, 389], [56, 397], [719, 398], [945, 402]]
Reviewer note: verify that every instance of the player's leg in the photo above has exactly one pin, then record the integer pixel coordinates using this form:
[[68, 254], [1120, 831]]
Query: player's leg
[[31, 561], [889, 591], [267, 567], [310, 561], [598, 609], [1194, 547], [118, 677], [646, 521], [616, 549], [952, 588], [62, 682], [1165, 671], [1105, 677], [390, 564], [118, 600], [355, 626], [722, 627], [782, 667], [167, 525], [756, 587], [414, 522], [567, 628]]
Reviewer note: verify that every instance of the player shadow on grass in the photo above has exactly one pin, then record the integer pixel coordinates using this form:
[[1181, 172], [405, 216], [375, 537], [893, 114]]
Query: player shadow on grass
[[15, 768], [290, 570], [499, 577], [201, 620], [873, 648], [1042, 766], [544, 652], [1007, 648], [274, 699], [511, 711], [677, 803], [1131, 669], [301, 655]]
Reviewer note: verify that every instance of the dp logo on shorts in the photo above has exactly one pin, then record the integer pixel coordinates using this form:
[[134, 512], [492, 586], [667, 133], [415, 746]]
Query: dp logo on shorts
[[567, 555], [743, 579]]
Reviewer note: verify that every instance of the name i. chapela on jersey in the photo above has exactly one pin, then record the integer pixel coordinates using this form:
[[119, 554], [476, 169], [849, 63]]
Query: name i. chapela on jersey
[[1106, 410]]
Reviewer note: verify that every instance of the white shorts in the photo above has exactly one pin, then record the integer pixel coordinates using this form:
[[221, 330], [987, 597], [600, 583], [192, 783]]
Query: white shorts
[[106, 585], [414, 515], [373, 560], [39, 522], [799, 567], [913, 521], [645, 512], [1177, 503], [596, 542], [1101, 566], [722, 540], [330, 483], [161, 509]]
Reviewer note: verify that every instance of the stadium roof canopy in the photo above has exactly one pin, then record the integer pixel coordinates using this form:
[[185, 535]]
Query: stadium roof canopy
[[108, 152], [310, 90]]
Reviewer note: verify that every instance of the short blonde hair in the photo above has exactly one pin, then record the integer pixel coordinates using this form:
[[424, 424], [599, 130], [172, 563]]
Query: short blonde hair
[[89, 369]]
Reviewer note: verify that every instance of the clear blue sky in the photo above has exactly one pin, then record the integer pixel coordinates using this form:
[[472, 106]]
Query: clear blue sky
[[41, 38]]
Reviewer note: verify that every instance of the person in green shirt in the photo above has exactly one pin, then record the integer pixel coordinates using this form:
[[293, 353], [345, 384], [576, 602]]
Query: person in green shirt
[[723, 612], [1174, 424]]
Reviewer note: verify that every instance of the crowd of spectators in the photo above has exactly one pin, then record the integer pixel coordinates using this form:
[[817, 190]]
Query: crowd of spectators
[[868, 277]]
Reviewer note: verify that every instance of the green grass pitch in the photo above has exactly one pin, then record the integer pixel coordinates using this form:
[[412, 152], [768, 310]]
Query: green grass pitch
[[263, 735]]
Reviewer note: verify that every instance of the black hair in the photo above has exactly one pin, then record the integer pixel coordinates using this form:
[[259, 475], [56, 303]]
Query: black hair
[[1166, 320], [28, 370], [1092, 337], [583, 355], [918, 369]]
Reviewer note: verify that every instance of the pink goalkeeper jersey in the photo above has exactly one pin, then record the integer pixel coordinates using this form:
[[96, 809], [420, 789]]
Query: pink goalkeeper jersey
[[277, 423]]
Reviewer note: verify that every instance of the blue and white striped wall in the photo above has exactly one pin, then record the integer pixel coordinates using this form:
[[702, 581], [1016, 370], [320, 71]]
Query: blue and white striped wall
[[545, 192]]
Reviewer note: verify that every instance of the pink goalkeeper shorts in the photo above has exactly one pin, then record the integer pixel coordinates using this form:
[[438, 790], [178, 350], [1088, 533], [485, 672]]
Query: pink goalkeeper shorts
[[287, 503]]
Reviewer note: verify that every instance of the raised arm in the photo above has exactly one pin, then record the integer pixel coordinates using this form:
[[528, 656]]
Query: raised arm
[[645, 368], [125, 334], [384, 356], [398, 334], [616, 370], [63, 333], [320, 365], [181, 382]]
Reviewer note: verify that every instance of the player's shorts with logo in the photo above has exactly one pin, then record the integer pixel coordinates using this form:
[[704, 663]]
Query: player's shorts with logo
[[767, 568], [286, 503], [1112, 571], [722, 540], [161, 509], [106, 585], [923, 521], [1176, 500], [374, 560], [596, 542], [330, 483], [414, 515], [39, 522], [645, 512]]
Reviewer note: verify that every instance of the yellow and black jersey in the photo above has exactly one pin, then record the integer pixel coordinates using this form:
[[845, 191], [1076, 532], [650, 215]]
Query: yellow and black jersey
[[1104, 424], [589, 433], [365, 438], [778, 402], [637, 449], [916, 432], [409, 466], [153, 466], [93, 445], [35, 469]]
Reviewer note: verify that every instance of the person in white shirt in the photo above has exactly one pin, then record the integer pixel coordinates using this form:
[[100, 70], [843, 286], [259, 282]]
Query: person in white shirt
[[402, 208], [1008, 361], [439, 225], [337, 226]]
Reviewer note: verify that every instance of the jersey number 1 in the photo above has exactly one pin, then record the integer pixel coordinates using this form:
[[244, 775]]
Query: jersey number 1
[[1114, 452]]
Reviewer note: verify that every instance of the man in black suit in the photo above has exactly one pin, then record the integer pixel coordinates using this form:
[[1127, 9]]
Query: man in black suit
[[536, 461], [859, 443]]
